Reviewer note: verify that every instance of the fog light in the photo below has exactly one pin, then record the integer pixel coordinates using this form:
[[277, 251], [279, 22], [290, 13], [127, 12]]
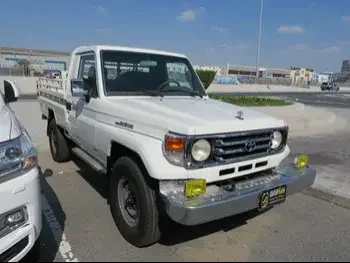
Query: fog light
[[195, 187], [301, 161], [12, 220], [15, 218]]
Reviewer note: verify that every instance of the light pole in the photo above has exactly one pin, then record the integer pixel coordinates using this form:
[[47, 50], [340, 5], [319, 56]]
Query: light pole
[[259, 40]]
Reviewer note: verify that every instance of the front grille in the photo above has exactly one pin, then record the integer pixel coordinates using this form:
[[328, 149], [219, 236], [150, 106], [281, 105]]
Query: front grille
[[240, 146]]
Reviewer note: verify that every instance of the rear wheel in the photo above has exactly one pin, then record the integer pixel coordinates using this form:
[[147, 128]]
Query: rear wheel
[[59, 145], [133, 204]]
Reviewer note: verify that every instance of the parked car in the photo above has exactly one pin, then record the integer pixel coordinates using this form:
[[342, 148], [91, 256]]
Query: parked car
[[167, 148], [329, 86], [20, 195]]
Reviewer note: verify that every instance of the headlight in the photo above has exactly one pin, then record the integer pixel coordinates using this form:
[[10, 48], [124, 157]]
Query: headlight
[[180, 151], [276, 140], [17, 156], [201, 150]]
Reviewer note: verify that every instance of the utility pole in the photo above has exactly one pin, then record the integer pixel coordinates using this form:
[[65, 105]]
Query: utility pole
[[259, 40]]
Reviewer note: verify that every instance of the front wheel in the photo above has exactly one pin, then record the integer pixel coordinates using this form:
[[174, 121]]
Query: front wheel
[[133, 204]]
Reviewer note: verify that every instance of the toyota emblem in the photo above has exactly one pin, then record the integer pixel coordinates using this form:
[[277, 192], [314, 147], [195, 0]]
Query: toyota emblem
[[250, 146]]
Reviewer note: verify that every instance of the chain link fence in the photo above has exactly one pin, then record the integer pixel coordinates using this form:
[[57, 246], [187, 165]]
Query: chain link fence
[[224, 79], [19, 72], [236, 80], [16, 72]]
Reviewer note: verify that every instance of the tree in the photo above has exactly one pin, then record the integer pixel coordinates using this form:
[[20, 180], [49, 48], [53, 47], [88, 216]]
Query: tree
[[25, 64], [206, 76]]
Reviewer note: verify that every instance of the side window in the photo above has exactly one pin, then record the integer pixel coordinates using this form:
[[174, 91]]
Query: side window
[[87, 62], [180, 73], [87, 72]]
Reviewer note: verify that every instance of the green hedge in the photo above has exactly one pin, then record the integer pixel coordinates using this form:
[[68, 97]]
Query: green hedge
[[251, 101], [206, 76]]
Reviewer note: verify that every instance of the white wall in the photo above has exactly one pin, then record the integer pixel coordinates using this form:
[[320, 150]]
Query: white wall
[[26, 85]]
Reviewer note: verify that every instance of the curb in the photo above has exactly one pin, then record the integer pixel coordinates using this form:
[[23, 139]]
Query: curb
[[328, 197]]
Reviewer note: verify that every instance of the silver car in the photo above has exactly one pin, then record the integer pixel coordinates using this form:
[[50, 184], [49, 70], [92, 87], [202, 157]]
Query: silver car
[[329, 86]]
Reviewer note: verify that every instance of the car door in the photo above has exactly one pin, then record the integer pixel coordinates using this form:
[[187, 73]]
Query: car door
[[82, 117]]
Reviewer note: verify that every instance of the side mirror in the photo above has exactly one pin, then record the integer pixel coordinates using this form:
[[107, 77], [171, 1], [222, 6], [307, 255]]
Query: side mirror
[[77, 88], [11, 91]]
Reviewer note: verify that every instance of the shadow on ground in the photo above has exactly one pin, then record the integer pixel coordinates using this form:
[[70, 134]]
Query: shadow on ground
[[173, 233], [50, 241]]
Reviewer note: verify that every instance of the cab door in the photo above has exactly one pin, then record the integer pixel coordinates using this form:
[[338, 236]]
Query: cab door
[[82, 117]]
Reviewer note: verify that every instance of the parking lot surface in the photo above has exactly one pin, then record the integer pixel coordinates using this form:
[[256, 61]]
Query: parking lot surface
[[78, 225]]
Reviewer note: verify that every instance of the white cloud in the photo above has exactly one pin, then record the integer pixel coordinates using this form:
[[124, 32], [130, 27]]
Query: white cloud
[[190, 14], [290, 29], [345, 18], [103, 30], [101, 9], [299, 47], [240, 45], [219, 29], [210, 50], [328, 50]]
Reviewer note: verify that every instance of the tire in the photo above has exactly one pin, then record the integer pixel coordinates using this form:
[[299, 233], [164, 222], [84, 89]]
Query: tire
[[34, 254], [59, 147], [145, 229]]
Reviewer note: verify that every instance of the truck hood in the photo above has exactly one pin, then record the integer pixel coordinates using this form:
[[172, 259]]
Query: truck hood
[[9, 127], [189, 115]]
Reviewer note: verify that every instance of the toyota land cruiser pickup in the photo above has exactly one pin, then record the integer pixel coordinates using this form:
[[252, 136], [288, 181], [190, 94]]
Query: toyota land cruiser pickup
[[143, 118]]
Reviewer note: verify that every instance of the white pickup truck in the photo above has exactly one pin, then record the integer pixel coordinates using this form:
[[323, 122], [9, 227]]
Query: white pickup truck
[[142, 117], [20, 193]]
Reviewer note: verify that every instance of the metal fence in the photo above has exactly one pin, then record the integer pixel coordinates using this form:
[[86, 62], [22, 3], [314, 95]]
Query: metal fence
[[236, 80], [223, 79], [18, 72], [268, 81]]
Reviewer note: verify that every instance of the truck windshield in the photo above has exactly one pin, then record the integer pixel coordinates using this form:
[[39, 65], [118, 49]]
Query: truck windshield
[[132, 73]]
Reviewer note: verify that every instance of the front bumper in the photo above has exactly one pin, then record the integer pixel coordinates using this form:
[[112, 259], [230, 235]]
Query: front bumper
[[23, 191], [218, 203]]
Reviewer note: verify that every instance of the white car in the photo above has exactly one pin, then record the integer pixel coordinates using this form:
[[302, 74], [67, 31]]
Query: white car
[[20, 195]]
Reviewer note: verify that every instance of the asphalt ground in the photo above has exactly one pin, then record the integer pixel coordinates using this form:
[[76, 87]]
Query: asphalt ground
[[78, 224]]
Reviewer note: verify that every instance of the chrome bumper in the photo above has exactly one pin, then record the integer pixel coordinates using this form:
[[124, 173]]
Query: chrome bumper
[[218, 203]]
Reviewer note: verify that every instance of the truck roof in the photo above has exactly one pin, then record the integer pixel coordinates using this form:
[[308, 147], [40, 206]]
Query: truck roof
[[98, 48]]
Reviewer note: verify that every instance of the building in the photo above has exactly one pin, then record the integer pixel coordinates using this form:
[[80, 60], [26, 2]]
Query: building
[[345, 66], [39, 60], [324, 76], [302, 75], [248, 71], [342, 77]]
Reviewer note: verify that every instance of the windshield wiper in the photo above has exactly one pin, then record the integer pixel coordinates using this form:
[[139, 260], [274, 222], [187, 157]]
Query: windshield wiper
[[189, 92], [152, 93]]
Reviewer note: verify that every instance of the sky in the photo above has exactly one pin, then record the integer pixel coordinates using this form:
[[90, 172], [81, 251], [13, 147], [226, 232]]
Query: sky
[[300, 33]]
